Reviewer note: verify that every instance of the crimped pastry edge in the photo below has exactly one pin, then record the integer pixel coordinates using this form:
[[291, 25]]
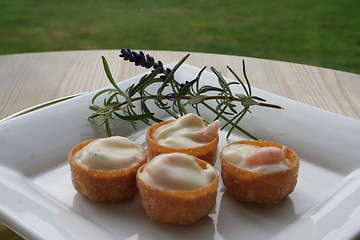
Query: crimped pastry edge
[[103, 186], [263, 188], [178, 207], [207, 152]]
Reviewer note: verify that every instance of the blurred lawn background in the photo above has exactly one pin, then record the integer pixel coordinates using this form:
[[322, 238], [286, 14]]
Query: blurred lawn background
[[323, 33]]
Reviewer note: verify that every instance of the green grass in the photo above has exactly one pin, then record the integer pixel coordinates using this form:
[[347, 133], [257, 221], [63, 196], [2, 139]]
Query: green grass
[[321, 33]]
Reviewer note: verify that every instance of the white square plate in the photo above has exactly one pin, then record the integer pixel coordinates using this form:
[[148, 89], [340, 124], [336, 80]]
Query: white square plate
[[39, 201]]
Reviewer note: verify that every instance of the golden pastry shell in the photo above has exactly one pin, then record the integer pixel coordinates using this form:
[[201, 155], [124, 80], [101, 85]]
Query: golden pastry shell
[[177, 207], [100, 185], [265, 188], [207, 152]]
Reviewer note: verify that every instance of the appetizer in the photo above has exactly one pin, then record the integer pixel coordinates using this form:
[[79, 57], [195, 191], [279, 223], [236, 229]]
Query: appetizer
[[259, 171], [177, 188], [188, 134], [104, 169]]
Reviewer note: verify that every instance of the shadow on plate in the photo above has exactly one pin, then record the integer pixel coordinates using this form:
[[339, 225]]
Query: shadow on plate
[[128, 220], [253, 221]]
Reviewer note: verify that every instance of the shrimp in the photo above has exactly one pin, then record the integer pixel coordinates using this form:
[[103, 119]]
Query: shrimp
[[210, 132], [265, 155]]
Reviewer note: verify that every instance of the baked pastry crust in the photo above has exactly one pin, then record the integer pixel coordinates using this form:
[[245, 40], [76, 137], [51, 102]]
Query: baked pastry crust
[[100, 185], [207, 152], [178, 207], [265, 188]]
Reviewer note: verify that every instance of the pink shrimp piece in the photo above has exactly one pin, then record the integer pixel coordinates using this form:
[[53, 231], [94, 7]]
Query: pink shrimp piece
[[265, 155], [210, 132], [159, 170], [135, 158], [159, 174]]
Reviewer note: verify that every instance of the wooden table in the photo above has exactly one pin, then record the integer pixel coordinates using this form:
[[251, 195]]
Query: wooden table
[[30, 79]]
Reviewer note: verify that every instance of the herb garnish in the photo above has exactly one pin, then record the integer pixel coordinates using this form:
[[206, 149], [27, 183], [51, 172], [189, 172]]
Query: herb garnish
[[172, 96]]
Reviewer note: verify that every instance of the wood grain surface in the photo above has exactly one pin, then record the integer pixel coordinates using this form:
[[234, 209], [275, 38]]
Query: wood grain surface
[[30, 79]]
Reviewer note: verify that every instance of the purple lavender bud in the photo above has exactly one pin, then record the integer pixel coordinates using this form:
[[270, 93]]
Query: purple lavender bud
[[150, 59], [142, 56], [126, 54], [184, 84], [147, 61], [158, 65], [146, 65]]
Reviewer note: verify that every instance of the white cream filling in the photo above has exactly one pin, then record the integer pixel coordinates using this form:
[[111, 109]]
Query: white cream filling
[[176, 171], [113, 153], [239, 154], [187, 131]]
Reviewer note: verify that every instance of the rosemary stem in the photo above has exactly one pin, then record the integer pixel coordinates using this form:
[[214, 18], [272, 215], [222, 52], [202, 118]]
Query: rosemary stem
[[171, 97], [183, 94]]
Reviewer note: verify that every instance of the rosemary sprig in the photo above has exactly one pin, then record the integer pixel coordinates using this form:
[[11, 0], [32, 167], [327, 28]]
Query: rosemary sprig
[[172, 96]]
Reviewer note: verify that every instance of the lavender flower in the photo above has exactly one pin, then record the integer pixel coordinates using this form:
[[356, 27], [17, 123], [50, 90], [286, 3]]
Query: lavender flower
[[182, 85], [147, 61]]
